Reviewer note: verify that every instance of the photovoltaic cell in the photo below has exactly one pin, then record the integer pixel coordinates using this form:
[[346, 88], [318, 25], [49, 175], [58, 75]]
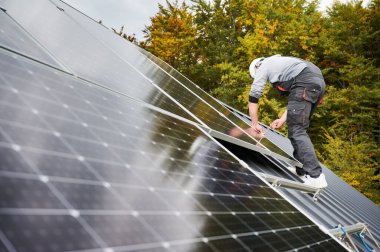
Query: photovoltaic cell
[[13, 37], [175, 84], [84, 55], [88, 178], [2, 246], [211, 101], [90, 47]]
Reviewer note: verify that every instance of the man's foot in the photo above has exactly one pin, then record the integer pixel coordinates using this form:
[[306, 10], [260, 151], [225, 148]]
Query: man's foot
[[319, 182], [298, 172]]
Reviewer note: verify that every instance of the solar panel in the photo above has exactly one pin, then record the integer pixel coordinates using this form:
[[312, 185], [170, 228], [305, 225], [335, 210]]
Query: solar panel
[[80, 58], [87, 169], [213, 102], [197, 103], [13, 37], [85, 56]]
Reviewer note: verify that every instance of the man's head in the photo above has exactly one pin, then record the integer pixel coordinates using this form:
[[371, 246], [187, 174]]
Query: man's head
[[255, 64]]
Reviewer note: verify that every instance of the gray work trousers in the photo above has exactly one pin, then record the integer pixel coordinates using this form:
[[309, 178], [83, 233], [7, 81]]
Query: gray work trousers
[[306, 91]]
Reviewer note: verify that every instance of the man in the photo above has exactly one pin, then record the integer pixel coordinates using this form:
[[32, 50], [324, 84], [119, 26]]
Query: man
[[303, 82]]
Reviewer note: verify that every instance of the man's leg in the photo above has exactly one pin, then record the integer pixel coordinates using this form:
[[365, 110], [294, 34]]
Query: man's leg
[[299, 171], [298, 122]]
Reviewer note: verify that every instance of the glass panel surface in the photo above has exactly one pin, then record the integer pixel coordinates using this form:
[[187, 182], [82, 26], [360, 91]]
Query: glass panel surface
[[219, 119], [15, 38], [212, 102], [87, 169], [83, 54]]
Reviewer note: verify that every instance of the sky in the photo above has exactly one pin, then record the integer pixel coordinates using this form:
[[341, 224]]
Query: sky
[[133, 14]]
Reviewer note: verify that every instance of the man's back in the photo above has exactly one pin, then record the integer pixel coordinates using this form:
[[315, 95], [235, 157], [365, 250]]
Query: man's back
[[280, 68]]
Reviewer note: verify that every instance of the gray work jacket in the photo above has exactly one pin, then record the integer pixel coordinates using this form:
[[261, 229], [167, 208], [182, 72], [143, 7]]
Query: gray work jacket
[[275, 69]]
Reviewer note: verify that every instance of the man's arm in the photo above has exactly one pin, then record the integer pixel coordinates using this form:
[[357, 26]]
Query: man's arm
[[279, 122], [257, 87], [253, 113]]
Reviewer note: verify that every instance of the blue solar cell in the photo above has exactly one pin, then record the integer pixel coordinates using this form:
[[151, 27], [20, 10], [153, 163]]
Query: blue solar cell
[[126, 70], [84, 55], [131, 181], [111, 158], [13, 37]]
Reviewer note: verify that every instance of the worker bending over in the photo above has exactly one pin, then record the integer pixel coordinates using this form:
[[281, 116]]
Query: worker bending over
[[304, 85]]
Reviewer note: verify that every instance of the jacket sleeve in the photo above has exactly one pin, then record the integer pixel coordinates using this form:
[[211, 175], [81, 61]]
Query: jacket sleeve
[[258, 85]]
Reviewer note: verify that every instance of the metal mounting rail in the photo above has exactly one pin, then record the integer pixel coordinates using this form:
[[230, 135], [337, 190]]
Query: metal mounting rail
[[290, 184], [344, 232], [351, 229]]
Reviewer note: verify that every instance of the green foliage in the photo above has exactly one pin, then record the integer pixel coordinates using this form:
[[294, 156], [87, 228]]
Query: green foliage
[[372, 48], [353, 161], [171, 36], [213, 43], [281, 27], [232, 84], [131, 38], [218, 28]]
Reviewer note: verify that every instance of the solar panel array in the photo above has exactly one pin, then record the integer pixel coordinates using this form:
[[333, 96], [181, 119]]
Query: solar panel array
[[92, 49], [105, 151]]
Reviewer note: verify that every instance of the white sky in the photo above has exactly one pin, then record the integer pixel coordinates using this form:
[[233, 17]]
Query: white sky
[[133, 14]]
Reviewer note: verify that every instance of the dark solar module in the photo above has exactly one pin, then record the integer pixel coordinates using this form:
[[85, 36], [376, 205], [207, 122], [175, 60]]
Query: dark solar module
[[88, 178], [12, 36], [85, 56], [120, 66], [112, 157]]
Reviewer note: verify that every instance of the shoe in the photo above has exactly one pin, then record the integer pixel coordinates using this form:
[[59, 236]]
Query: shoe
[[294, 171], [319, 182]]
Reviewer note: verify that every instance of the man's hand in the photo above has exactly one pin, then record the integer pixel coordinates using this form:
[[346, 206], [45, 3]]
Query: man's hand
[[258, 129], [277, 123]]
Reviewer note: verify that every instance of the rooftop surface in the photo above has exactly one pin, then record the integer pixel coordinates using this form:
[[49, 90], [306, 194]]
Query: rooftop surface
[[104, 147]]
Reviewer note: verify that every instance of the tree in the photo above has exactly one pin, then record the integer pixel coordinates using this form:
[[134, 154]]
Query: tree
[[171, 36], [218, 28], [214, 43], [351, 112], [284, 27], [131, 38]]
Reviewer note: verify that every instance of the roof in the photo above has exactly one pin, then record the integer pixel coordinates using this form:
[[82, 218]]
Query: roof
[[104, 147], [339, 204]]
